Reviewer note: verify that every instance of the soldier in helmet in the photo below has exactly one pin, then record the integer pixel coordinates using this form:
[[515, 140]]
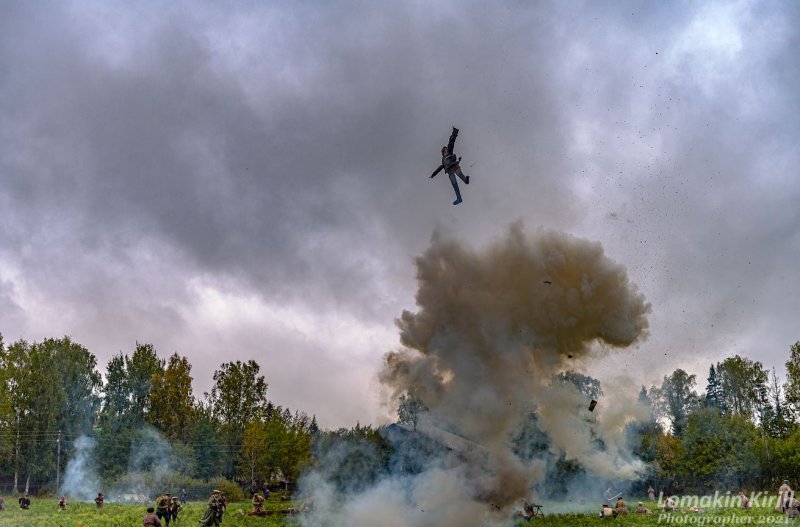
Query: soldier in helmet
[[62, 503], [100, 500], [451, 166]]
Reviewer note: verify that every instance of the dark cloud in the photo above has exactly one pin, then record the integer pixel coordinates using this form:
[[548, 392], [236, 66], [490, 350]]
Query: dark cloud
[[280, 153]]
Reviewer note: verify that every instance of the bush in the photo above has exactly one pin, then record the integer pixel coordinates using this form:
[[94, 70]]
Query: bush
[[233, 492]]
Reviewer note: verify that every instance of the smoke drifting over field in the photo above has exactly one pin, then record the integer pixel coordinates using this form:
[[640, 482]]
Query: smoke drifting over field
[[492, 329], [152, 465]]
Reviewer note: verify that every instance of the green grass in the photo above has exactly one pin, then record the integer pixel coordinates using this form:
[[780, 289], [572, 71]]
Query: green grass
[[709, 516], [45, 513]]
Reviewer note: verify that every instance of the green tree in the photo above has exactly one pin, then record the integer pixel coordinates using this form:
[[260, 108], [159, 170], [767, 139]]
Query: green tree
[[172, 405], [253, 456], [776, 418], [676, 399], [720, 450], [792, 385], [126, 407], [743, 384], [210, 456], [298, 446], [714, 398], [80, 383], [238, 397], [410, 408], [51, 385], [141, 368], [239, 394], [6, 414]]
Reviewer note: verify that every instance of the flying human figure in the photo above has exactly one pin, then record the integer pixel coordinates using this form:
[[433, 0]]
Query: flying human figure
[[451, 166]]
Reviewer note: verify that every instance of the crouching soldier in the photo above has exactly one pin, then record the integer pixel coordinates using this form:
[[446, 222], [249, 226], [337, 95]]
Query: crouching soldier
[[620, 508], [258, 504], [745, 501]]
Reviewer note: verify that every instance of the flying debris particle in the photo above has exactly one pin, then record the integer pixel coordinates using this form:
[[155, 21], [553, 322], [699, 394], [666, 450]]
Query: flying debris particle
[[569, 356], [548, 282], [592, 405]]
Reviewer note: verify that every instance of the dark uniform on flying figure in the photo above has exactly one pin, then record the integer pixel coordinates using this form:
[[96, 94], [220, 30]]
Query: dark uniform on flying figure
[[451, 166]]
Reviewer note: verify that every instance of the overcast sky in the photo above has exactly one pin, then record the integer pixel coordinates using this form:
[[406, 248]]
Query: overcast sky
[[250, 180]]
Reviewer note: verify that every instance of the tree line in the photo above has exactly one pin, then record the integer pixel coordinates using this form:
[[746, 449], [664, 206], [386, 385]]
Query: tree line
[[142, 416], [741, 433]]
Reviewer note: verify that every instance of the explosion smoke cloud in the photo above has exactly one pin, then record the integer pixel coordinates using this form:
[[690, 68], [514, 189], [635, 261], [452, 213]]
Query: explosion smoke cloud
[[492, 329]]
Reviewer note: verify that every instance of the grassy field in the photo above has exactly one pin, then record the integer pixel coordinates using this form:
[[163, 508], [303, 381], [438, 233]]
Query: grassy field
[[45, 513]]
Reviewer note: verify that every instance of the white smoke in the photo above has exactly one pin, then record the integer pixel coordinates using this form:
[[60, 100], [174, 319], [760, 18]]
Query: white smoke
[[81, 483]]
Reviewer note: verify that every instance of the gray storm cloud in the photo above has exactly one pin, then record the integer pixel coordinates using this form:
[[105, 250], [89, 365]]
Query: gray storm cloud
[[492, 329]]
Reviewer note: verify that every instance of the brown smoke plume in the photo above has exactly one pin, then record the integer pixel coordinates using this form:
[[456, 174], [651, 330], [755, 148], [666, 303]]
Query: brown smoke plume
[[492, 329]]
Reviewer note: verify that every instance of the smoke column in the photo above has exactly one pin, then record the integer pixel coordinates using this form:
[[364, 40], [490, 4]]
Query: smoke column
[[80, 481], [491, 330]]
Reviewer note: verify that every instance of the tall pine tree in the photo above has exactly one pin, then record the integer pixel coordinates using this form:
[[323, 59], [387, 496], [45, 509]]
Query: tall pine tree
[[714, 397]]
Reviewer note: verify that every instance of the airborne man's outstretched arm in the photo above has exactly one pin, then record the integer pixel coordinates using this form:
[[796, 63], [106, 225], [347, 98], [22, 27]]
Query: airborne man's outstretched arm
[[441, 167]]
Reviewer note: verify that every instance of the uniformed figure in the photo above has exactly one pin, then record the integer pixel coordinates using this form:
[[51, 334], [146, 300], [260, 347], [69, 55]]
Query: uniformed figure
[[651, 493], [451, 166], [258, 504], [224, 501], [792, 509], [100, 500], [2, 504], [641, 509], [606, 512], [784, 496], [174, 508], [745, 501], [150, 519], [25, 502], [213, 514], [183, 496], [669, 504], [620, 507], [62, 503], [163, 504]]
